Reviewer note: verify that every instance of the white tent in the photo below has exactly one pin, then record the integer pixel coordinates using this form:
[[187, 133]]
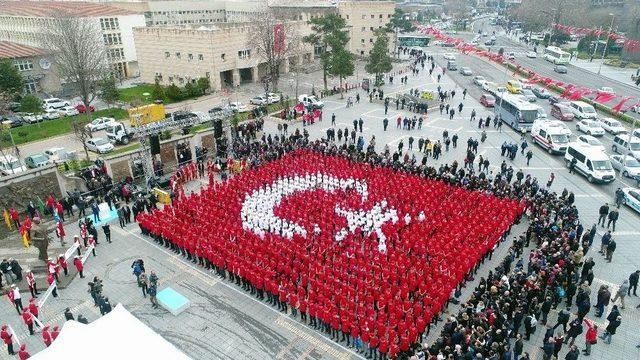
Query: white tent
[[117, 335]]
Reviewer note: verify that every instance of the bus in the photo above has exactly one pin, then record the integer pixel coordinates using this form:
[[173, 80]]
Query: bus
[[556, 55], [515, 111]]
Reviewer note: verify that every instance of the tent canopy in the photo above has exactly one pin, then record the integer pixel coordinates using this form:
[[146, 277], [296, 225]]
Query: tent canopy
[[117, 335]]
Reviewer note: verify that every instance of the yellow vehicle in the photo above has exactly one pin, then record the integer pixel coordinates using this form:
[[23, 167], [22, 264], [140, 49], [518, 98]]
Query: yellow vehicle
[[514, 86], [427, 95], [146, 114]]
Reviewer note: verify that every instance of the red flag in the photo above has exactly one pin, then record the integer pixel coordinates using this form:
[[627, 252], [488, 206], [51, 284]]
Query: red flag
[[567, 90], [617, 107], [278, 38], [604, 97]]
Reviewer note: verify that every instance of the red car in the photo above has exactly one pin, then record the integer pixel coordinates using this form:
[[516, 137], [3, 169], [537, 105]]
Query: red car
[[561, 112], [82, 109], [487, 100]]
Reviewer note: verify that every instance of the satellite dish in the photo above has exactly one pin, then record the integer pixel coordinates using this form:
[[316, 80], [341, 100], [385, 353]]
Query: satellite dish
[[45, 64]]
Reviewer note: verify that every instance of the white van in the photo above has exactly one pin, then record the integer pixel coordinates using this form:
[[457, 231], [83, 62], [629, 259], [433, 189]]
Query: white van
[[625, 144], [310, 101], [549, 136], [590, 162], [582, 110], [10, 164]]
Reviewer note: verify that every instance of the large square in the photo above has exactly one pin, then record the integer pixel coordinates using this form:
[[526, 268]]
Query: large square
[[369, 250]]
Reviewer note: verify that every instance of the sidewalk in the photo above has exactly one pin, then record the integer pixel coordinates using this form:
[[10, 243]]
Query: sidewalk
[[622, 75]]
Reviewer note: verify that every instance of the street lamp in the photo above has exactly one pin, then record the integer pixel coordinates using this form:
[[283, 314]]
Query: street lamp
[[604, 50]]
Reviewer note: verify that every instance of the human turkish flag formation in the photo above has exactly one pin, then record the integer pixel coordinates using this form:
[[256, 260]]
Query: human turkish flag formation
[[310, 235]]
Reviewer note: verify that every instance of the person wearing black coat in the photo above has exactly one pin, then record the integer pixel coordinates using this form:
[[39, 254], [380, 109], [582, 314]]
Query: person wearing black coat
[[575, 329], [633, 282], [573, 353], [518, 347]]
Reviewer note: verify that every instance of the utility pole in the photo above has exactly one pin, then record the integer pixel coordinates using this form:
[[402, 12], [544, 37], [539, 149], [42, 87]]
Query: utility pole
[[595, 47], [604, 50]]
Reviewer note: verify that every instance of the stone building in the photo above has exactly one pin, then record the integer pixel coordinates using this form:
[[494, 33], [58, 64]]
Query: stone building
[[35, 65]]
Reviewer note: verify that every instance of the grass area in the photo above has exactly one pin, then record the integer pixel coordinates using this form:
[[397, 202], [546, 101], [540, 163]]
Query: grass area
[[134, 94], [51, 128], [126, 148]]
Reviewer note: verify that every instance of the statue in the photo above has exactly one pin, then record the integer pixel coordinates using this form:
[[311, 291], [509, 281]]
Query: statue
[[40, 238]]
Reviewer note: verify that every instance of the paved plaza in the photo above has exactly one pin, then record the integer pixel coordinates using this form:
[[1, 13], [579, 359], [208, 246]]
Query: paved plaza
[[224, 322]]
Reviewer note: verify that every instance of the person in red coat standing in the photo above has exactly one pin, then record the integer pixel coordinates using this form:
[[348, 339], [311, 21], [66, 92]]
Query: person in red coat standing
[[33, 307], [46, 336], [23, 354], [78, 264], [31, 281], [55, 333], [63, 264], [7, 339], [28, 320]]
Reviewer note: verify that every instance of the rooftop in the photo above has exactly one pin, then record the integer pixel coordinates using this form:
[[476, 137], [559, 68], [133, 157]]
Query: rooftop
[[13, 50], [49, 8]]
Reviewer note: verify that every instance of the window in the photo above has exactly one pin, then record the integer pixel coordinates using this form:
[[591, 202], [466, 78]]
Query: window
[[371, 40], [244, 54], [364, 16], [347, 17], [364, 28], [112, 39], [109, 24], [373, 16], [190, 56], [23, 64], [30, 87], [362, 41], [371, 28], [200, 57], [362, 52], [167, 54], [178, 55], [380, 16], [222, 56]]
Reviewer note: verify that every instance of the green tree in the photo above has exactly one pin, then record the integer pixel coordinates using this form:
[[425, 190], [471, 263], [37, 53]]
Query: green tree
[[174, 93], [158, 91], [330, 36], [203, 85], [399, 23], [341, 65], [11, 83], [191, 91], [109, 92], [379, 60], [30, 104]]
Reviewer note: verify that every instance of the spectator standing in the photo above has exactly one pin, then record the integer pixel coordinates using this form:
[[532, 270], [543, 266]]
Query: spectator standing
[[591, 337]]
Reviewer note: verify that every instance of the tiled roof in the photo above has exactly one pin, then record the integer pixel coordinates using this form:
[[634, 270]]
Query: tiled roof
[[50, 8], [14, 50]]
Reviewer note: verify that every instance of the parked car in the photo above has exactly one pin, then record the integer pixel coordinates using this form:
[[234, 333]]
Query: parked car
[[310, 101], [560, 69], [82, 109], [540, 92], [529, 95], [622, 145], [582, 110], [10, 164], [487, 100], [54, 103], [37, 160], [532, 54], [629, 167], [51, 114], [514, 86], [449, 56], [237, 107], [32, 118], [479, 80], [605, 90], [274, 98], [510, 56], [590, 127], [99, 145], [12, 121], [561, 112], [69, 111], [59, 154], [632, 198], [100, 123], [466, 71], [591, 141], [612, 126], [259, 100]]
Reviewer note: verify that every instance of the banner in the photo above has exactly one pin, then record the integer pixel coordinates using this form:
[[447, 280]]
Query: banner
[[7, 219], [71, 250], [46, 294], [278, 38], [86, 254], [13, 333]]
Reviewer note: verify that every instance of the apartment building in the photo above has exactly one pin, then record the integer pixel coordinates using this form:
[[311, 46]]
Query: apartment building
[[363, 18], [23, 22], [160, 13], [220, 52], [35, 65]]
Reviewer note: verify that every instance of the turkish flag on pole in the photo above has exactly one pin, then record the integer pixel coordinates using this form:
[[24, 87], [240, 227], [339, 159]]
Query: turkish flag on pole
[[604, 97], [617, 107], [278, 38]]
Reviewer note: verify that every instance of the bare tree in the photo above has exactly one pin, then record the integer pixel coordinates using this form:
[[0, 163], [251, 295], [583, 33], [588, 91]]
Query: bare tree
[[82, 134], [79, 52], [273, 40]]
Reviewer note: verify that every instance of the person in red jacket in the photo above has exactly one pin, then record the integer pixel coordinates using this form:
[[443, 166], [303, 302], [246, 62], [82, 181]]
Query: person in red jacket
[[7, 339], [31, 281], [46, 336], [33, 307], [28, 320], [78, 264], [591, 337], [15, 217], [63, 264], [51, 279], [23, 354], [55, 333]]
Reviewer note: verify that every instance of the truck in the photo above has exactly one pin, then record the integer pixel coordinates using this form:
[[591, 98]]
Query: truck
[[145, 114], [118, 133]]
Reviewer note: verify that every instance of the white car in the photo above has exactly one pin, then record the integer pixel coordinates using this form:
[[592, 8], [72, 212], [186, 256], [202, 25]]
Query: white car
[[612, 126], [510, 56], [273, 98], [69, 111], [59, 154], [562, 125], [237, 107], [32, 118], [590, 127], [591, 141], [51, 114], [259, 100], [629, 167], [54, 103], [99, 145], [100, 123], [479, 80], [606, 90], [632, 198], [532, 54], [449, 56], [488, 86]]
